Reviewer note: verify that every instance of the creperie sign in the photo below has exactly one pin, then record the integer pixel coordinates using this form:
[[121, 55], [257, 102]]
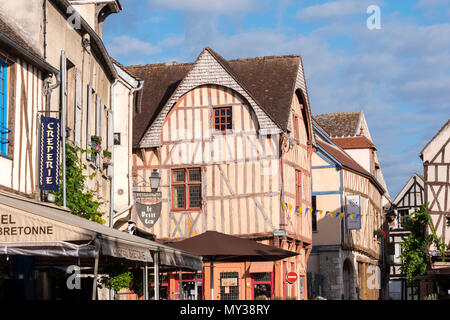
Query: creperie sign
[[49, 153], [9, 227]]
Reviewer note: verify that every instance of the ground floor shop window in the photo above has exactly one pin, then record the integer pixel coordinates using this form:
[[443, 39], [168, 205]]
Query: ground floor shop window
[[188, 286], [262, 285], [229, 286], [163, 287]]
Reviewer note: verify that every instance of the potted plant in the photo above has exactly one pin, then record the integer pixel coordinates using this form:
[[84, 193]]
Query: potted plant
[[380, 233], [96, 143], [106, 157]]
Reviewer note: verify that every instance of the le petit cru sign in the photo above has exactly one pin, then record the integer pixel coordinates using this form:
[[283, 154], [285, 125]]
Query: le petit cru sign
[[49, 145], [148, 213]]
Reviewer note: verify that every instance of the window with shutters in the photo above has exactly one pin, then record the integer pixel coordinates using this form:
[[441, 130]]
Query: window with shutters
[[78, 108], [186, 189], [4, 130]]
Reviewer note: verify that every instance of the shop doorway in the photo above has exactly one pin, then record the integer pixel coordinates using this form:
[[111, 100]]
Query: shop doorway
[[262, 285], [188, 286], [348, 280]]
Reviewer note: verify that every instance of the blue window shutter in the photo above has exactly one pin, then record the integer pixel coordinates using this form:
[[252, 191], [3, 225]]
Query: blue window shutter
[[4, 130]]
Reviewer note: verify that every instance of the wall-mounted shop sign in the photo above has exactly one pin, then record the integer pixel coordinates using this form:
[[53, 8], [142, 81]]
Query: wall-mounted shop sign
[[144, 194], [229, 282], [49, 145], [148, 213], [353, 206]]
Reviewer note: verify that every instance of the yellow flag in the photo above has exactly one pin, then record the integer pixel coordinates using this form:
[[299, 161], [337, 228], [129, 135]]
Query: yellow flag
[[290, 207], [342, 215], [331, 214], [284, 206], [300, 210], [320, 213], [351, 216]]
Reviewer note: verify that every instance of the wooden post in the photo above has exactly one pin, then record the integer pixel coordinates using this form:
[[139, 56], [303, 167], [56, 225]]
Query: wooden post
[[180, 285], [145, 279], [94, 282], [211, 266], [195, 286], [156, 274]]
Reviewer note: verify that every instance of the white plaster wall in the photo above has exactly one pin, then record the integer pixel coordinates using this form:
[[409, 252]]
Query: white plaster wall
[[26, 18], [122, 102], [5, 172], [362, 156], [432, 149]]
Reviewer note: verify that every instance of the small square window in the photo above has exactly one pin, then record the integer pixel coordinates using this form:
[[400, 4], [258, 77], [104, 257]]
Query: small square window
[[223, 119]]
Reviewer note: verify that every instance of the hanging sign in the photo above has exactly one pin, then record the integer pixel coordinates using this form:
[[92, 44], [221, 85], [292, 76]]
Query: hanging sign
[[353, 206], [49, 145], [148, 213]]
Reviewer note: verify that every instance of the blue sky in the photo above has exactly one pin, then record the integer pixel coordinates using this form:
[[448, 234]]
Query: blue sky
[[398, 75]]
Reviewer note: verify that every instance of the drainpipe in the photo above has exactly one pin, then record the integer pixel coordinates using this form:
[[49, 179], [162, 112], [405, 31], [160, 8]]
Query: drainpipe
[[130, 141], [63, 122]]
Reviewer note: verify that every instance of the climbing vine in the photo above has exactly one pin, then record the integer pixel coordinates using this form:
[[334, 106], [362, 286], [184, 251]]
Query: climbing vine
[[79, 199], [415, 247]]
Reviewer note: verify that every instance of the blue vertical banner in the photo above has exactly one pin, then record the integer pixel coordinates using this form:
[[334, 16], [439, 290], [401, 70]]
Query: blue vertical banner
[[49, 145]]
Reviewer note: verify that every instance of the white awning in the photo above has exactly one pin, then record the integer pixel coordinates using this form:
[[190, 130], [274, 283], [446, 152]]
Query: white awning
[[31, 227]]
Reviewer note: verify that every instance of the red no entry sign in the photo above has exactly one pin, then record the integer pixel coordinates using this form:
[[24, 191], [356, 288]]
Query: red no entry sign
[[291, 277]]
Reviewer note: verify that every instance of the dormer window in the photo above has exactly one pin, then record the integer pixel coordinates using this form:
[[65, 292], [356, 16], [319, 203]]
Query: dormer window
[[222, 119]]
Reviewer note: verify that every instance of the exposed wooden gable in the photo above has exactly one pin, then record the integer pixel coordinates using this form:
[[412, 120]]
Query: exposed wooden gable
[[412, 194], [206, 70]]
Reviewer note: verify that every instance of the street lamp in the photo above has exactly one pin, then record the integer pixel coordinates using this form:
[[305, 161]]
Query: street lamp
[[155, 180]]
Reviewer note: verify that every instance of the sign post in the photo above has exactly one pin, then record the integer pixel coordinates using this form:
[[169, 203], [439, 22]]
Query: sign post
[[291, 277]]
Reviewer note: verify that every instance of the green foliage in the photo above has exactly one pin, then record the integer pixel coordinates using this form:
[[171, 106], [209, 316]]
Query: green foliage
[[415, 247], [137, 282], [277, 298], [118, 277], [79, 200], [263, 297], [432, 296]]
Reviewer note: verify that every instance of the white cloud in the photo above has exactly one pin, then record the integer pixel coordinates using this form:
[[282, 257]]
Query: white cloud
[[335, 9], [123, 45], [211, 6], [424, 4]]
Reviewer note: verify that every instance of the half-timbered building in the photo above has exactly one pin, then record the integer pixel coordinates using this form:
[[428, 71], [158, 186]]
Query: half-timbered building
[[410, 198], [231, 141], [436, 166], [346, 258]]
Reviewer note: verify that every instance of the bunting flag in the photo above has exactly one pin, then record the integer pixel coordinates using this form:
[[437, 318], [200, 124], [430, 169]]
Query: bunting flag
[[351, 216], [284, 206], [331, 214], [320, 213], [290, 207], [300, 210]]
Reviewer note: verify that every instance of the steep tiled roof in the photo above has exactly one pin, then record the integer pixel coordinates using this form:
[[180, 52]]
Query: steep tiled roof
[[270, 81], [6, 30], [339, 124], [360, 142]]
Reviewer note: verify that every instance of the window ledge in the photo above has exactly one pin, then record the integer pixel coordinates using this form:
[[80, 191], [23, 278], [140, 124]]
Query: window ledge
[[6, 157]]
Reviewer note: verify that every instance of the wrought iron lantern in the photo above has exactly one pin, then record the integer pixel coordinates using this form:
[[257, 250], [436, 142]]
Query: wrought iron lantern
[[155, 180]]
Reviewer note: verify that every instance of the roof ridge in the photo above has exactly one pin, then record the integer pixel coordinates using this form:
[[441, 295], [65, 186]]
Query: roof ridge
[[342, 112]]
